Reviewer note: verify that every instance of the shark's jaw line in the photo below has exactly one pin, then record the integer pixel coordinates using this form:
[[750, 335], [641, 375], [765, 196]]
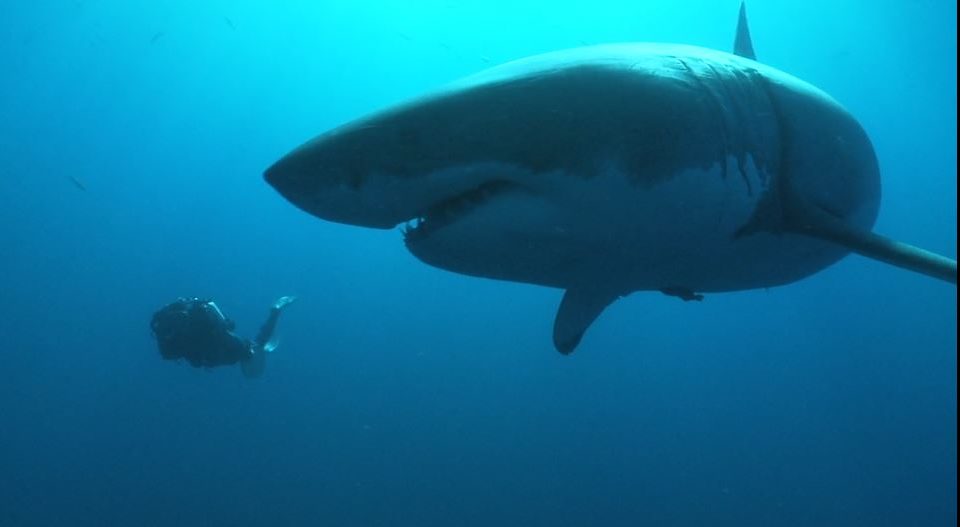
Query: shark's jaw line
[[449, 210], [561, 230]]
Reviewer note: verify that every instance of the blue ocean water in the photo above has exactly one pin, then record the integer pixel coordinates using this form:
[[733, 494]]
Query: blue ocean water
[[133, 137]]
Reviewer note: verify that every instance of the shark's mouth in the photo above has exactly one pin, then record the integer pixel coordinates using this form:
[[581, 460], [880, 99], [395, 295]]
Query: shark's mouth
[[448, 211]]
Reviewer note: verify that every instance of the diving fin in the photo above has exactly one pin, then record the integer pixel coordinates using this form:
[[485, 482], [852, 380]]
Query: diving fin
[[284, 301], [271, 345], [255, 365]]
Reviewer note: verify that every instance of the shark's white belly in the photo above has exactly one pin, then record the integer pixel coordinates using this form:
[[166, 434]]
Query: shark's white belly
[[607, 230]]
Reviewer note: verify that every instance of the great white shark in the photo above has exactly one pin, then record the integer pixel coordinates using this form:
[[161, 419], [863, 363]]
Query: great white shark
[[610, 169]]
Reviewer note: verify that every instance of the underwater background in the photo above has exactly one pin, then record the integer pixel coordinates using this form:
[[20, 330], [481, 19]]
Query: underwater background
[[133, 136]]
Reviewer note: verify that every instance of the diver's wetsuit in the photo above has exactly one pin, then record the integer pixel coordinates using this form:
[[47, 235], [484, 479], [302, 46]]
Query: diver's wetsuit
[[196, 330]]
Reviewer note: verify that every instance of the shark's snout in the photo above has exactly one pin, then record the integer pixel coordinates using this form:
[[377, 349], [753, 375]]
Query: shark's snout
[[357, 178], [329, 177]]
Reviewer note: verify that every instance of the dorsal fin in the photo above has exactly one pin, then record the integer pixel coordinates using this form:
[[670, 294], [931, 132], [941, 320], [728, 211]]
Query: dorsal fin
[[743, 46]]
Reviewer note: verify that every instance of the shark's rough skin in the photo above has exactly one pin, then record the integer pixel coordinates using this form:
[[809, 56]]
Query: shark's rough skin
[[611, 169]]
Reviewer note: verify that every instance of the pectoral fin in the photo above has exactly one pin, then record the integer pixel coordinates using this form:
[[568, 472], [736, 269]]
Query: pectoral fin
[[578, 309], [803, 217]]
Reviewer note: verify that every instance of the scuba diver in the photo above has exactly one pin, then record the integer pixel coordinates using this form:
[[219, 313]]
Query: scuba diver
[[198, 331]]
